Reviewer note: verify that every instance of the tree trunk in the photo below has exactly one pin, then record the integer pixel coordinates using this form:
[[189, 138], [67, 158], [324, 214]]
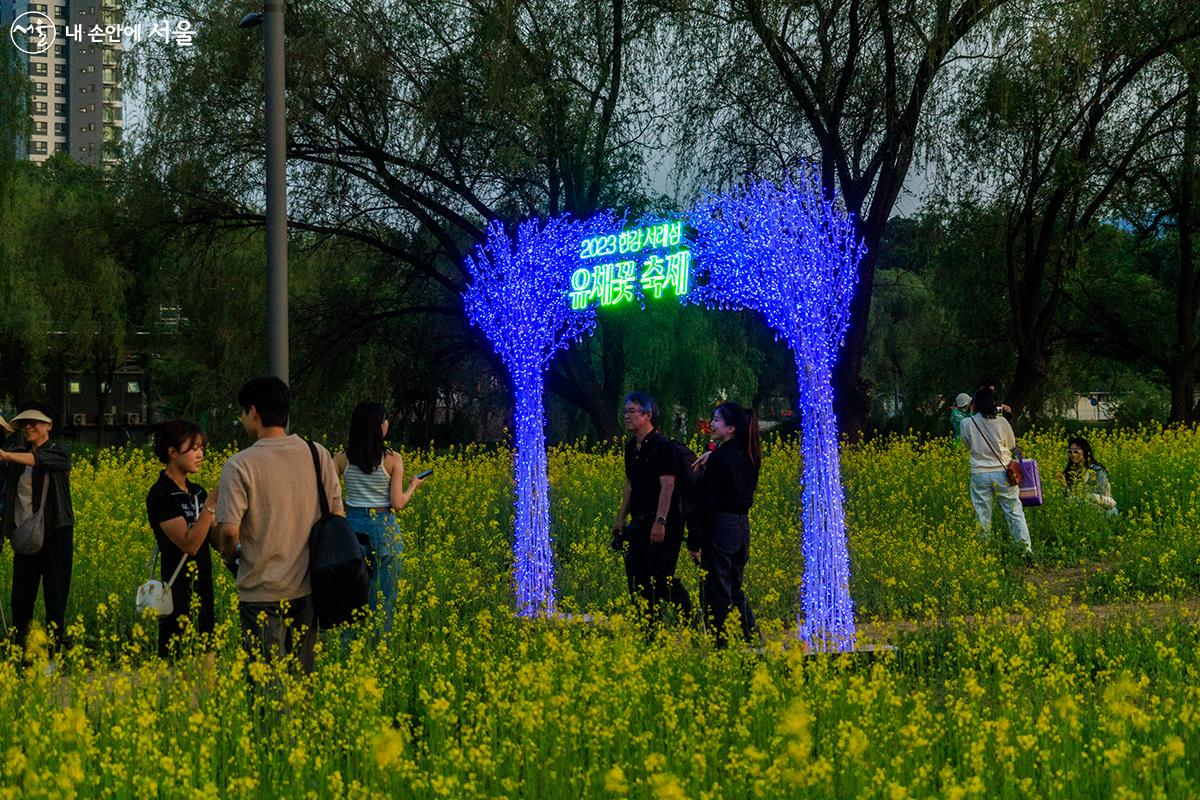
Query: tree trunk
[[1183, 393], [574, 379], [1183, 370], [533, 562], [1031, 371], [827, 623], [852, 392]]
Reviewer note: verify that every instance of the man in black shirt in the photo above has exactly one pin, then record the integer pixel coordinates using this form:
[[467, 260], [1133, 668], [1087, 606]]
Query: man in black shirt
[[649, 521]]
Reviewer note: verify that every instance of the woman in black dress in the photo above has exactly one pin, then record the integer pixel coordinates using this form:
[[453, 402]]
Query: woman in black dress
[[181, 514]]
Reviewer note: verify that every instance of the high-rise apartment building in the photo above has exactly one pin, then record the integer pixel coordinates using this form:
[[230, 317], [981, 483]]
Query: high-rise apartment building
[[78, 106]]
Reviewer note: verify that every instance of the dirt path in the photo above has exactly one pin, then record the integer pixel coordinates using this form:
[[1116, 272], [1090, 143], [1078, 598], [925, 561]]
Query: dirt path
[[1062, 586]]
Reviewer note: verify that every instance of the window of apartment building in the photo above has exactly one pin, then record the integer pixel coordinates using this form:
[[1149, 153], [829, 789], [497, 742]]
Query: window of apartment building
[[88, 68], [60, 11], [111, 75], [42, 7], [60, 51], [60, 129], [73, 387], [133, 387], [39, 107], [39, 88], [39, 128], [37, 68], [60, 109], [38, 148], [60, 147], [60, 70], [60, 90]]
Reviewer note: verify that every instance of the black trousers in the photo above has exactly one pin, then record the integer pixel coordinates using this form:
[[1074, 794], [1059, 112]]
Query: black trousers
[[723, 559], [49, 568], [650, 569], [173, 626], [270, 631]]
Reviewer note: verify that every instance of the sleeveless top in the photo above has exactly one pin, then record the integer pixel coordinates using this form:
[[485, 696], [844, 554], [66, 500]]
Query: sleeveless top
[[368, 491]]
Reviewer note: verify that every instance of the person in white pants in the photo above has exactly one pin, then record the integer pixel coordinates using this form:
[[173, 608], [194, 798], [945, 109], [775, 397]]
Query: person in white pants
[[990, 440]]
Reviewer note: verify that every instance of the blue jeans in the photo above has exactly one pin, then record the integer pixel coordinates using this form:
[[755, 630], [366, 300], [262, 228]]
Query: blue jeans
[[985, 486], [383, 531]]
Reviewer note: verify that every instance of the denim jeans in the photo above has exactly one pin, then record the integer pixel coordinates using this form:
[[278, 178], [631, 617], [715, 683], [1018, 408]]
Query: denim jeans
[[383, 531], [985, 486]]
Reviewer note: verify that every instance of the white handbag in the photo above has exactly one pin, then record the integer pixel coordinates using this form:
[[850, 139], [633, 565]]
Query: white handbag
[[157, 595], [154, 594]]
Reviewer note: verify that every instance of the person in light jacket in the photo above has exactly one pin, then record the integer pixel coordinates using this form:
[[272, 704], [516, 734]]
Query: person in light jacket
[[990, 440]]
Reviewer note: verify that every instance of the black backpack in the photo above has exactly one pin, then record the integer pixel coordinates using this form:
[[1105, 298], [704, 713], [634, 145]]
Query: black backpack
[[337, 568], [685, 480]]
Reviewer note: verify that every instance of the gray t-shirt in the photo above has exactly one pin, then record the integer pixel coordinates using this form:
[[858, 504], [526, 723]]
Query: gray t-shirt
[[24, 509], [270, 491]]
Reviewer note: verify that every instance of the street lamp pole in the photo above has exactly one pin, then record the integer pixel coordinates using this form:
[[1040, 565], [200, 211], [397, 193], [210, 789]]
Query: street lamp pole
[[271, 19]]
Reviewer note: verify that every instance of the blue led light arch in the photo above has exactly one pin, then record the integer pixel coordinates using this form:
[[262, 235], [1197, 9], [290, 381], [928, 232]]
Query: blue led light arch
[[783, 251], [518, 296]]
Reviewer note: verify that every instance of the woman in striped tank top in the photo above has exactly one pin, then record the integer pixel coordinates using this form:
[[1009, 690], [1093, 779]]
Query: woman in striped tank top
[[374, 491]]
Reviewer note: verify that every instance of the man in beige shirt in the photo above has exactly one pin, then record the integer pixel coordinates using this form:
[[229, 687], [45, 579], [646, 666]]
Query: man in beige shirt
[[267, 506]]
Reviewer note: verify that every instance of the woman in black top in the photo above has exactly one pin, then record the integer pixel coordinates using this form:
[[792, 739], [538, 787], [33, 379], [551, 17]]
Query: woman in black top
[[181, 515], [721, 537]]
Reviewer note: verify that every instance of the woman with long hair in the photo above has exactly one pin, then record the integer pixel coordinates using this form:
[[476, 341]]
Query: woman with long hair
[[181, 514], [374, 491], [1085, 477], [990, 439], [720, 537]]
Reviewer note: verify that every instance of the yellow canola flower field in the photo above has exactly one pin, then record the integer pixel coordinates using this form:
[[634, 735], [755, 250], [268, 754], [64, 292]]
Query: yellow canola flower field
[[995, 688]]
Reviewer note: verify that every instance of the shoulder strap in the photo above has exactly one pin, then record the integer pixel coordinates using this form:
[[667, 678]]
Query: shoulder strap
[[175, 575], [41, 509], [321, 498]]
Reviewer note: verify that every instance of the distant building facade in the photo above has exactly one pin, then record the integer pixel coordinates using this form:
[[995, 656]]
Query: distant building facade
[[78, 103]]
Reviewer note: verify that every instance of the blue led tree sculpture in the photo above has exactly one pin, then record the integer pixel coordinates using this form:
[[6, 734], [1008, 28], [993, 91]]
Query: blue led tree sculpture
[[792, 256], [518, 296]]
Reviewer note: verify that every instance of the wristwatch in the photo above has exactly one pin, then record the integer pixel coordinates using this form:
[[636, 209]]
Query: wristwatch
[[661, 520]]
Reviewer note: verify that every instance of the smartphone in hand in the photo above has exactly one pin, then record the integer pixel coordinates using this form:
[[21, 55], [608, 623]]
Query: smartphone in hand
[[425, 473]]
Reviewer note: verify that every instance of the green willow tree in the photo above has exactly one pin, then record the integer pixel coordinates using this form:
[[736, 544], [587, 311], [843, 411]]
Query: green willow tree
[[411, 135], [852, 85], [1049, 129], [1160, 200]]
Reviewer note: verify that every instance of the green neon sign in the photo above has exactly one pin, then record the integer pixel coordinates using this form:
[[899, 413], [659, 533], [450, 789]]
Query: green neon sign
[[652, 258]]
